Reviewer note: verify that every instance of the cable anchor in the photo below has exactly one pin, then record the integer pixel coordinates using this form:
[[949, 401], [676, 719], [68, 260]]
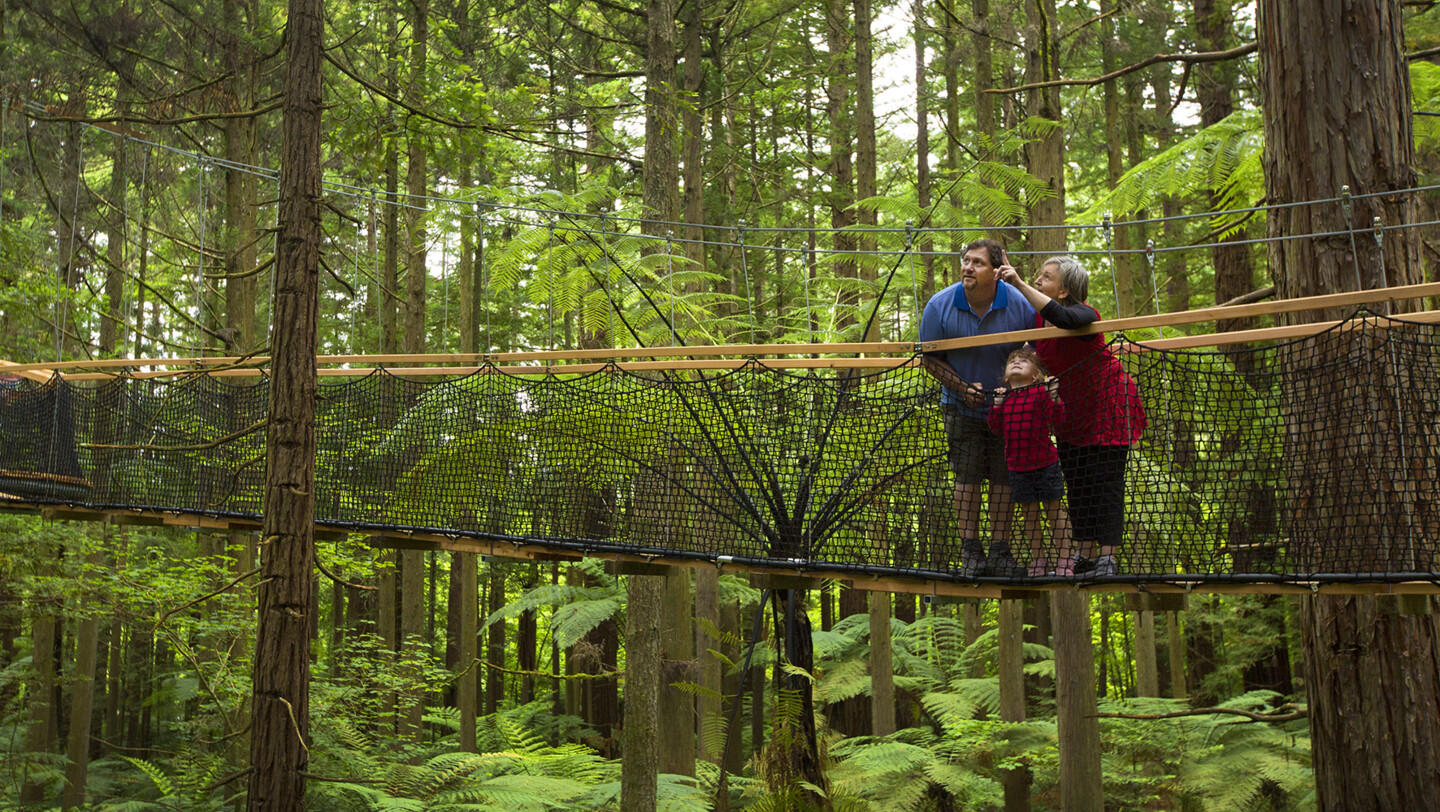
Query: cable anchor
[[1345, 201], [909, 234], [1379, 231]]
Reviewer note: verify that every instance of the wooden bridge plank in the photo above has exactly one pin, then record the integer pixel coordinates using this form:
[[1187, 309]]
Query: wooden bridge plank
[[1161, 594]]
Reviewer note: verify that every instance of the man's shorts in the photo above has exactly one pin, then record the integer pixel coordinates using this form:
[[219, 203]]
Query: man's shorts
[[976, 454], [1040, 485]]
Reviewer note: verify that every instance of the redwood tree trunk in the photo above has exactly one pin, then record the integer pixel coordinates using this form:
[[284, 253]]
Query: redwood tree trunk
[[1334, 75], [279, 751]]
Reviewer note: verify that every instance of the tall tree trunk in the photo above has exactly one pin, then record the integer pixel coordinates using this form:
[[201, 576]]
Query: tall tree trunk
[[882, 666], [640, 765], [677, 651], [1147, 673], [241, 230], [466, 576], [1047, 155], [416, 185], [1124, 271], [1012, 696], [495, 640], [1338, 113], [841, 195], [279, 750], [708, 615], [82, 693], [412, 562], [40, 734], [865, 158], [1081, 789], [923, 191], [693, 126]]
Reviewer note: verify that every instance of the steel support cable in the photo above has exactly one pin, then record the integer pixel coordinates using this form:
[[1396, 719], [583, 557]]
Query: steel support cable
[[358, 190]]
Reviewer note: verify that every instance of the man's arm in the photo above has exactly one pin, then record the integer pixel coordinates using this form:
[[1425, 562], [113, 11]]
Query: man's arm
[[945, 374]]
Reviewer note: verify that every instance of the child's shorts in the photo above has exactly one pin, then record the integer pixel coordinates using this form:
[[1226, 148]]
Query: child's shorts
[[1040, 485]]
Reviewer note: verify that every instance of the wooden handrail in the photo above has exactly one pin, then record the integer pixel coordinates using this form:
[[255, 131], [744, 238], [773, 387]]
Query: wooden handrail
[[533, 362]]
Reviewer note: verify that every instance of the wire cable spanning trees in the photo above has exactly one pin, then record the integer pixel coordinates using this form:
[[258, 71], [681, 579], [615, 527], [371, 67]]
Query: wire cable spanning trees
[[587, 271]]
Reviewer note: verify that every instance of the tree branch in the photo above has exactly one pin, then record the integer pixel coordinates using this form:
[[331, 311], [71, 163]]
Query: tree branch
[[207, 596], [1299, 713], [1188, 59], [396, 100], [342, 582]]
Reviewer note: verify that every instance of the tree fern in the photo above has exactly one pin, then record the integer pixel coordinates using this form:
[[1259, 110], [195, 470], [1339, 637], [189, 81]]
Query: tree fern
[[1225, 156]]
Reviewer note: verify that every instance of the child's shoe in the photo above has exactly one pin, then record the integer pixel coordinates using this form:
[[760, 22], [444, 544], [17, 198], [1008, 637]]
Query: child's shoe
[[1038, 568], [1066, 567]]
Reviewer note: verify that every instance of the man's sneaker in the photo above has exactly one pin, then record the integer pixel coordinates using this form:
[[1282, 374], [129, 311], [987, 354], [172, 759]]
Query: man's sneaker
[[1001, 563], [1106, 565], [972, 559], [1038, 568], [1083, 564]]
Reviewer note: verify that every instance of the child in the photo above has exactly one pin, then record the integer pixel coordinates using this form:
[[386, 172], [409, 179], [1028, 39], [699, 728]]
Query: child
[[1024, 415]]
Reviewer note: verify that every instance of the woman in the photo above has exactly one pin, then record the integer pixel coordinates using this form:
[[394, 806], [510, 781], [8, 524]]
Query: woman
[[1105, 417]]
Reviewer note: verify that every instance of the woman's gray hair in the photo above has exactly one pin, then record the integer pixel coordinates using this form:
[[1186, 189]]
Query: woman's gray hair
[[1073, 276]]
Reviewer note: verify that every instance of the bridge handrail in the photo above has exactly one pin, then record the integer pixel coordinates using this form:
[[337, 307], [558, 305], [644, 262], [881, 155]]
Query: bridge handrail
[[534, 362]]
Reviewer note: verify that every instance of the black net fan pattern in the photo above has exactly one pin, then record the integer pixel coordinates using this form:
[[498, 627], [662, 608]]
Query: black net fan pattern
[[1309, 460]]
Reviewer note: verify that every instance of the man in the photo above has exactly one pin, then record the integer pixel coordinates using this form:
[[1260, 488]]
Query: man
[[979, 304]]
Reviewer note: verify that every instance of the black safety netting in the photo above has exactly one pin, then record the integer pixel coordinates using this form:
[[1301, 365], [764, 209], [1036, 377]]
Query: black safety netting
[[1308, 460]]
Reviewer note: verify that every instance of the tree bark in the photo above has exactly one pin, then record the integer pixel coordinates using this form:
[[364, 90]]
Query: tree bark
[[466, 575], [1047, 155], [1338, 114], [882, 667], [1147, 667], [82, 696], [1012, 696], [1081, 789], [708, 705], [677, 651], [1178, 688], [279, 750], [639, 769]]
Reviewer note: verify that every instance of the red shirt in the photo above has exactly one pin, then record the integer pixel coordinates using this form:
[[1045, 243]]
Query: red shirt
[[1025, 420], [1105, 402]]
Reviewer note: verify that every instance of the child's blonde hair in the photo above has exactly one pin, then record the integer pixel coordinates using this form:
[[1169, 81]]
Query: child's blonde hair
[[1028, 353]]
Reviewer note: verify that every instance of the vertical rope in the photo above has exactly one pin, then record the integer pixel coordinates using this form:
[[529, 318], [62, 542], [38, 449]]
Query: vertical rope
[[60, 317], [445, 285], [1348, 210], [354, 304], [1154, 287], [375, 270], [144, 205], [480, 262], [200, 271], [605, 283], [125, 237], [550, 290], [670, 277], [4, 116], [914, 283], [745, 269], [809, 312], [1109, 238], [1379, 228]]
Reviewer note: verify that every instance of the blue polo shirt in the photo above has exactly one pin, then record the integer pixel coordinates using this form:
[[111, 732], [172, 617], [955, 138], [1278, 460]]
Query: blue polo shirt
[[948, 315]]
